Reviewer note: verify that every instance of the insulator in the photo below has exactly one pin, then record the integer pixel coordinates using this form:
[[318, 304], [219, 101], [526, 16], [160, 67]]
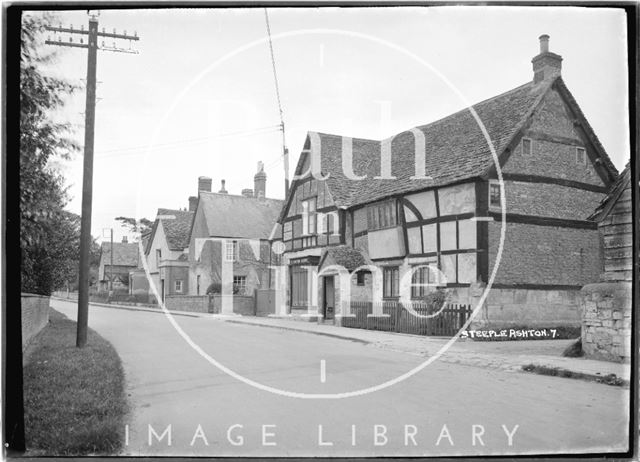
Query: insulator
[[114, 30], [103, 43], [103, 30], [70, 39], [125, 32], [81, 41], [135, 34], [48, 38], [81, 26]]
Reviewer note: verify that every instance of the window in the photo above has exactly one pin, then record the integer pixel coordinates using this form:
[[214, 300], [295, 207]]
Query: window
[[390, 279], [158, 256], [198, 285], [360, 277], [381, 216], [299, 293], [287, 231], [526, 146], [309, 219], [581, 156], [239, 284], [231, 251], [178, 286], [494, 194], [422, 276]]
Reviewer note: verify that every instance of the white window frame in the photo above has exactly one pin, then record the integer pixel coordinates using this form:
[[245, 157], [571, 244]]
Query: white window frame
[[243, 285], [309, 216], [584, 155], [177, 286], [530, 146], [231, 250]]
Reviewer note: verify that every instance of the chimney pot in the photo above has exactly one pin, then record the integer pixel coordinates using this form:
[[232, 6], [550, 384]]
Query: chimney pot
[[222, 190], [544, 43], [247, 192], [546, 65]]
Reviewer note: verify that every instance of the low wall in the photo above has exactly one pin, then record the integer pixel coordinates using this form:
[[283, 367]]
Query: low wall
[[606, 321], [242, 304], [35, 315], [265, 302], [527, 308], [192, 303]]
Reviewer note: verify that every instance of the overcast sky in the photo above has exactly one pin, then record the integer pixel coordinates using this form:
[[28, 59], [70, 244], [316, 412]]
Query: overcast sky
[[173, 112]]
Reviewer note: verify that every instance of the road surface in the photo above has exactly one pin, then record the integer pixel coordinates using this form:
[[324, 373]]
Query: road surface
[[444, 410]]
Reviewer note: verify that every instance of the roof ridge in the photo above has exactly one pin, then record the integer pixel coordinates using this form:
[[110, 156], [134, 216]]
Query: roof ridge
[[241, 196]]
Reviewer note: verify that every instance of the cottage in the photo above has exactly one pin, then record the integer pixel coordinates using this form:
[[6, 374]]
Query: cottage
[[165, 252], [423, 209], [117, 259], [606, 304], [229, 250]]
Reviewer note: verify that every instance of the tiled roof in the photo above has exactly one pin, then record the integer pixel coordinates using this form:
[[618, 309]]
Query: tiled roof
[[345, 256], [228, 215], [622, 182], [124, 253], [176, 229], [456, 148]]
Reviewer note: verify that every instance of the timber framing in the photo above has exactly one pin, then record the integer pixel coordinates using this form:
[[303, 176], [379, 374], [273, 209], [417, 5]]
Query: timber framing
[[544, 221], [539, 179]]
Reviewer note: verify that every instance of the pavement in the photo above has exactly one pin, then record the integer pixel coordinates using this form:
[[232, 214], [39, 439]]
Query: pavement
[[213, 386], [511, 356]]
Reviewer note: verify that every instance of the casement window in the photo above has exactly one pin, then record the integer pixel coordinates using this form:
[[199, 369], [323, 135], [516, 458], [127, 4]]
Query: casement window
[[381, 216], [420, 277], [581, 156], [309, 217], [526, 146], [178, 286], [231, 251], [390, 282], [239, 284], [494, 194], [299, 283], [287, 231]]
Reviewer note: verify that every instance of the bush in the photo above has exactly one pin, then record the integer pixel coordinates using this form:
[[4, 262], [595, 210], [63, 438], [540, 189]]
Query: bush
[[435, 300], [214, 288]]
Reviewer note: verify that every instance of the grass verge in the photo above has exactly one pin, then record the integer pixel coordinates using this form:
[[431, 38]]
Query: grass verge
[[611, 379], [74, 398]]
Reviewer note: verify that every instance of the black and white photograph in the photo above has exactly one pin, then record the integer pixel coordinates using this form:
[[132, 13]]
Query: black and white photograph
[[319, 230]]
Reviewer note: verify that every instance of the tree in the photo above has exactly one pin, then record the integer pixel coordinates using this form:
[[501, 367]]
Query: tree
[[142, 226], [49, 235]]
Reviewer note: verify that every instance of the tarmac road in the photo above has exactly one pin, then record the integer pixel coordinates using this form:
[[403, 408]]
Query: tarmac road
[[436, 412]]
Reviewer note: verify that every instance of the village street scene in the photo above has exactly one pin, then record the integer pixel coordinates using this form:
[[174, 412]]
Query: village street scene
[[321, 232]]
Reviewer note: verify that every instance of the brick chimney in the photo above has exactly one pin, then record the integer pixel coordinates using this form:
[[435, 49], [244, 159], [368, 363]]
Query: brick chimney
[[247, 192], [546, 65], [204, 184], [222, 190], [260, 182], [193, 203]]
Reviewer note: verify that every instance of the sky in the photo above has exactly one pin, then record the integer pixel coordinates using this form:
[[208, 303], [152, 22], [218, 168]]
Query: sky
[[199, 98]]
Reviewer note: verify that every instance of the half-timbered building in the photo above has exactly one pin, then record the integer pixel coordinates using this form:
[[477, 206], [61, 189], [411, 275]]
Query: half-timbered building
[[431, 197]]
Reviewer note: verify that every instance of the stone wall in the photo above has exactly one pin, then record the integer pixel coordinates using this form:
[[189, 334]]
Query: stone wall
[[192, 303], [242, 304], [606, 331], [526, 308], [35, 315]]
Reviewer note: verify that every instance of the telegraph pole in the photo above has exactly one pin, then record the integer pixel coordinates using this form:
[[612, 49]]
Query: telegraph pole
[[89, 130]]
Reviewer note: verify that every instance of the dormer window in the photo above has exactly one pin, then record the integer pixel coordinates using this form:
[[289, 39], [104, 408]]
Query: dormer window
[[581, 156], [526, 146]]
